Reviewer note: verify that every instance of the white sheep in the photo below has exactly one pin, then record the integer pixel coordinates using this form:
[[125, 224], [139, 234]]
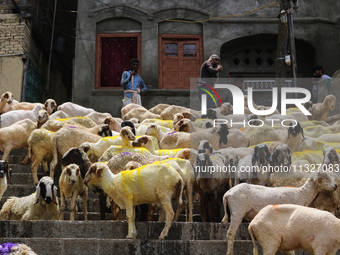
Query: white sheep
[[246, 200], [114, 123], [56, 124], [141, 114], [129, 107], [5, 173], [320, 110], [40, 150], [169, 112], [71, 185], [159, 108], [41, 205], [74, 110], [9, 118], [58, 115], [15, 137], [42, 118], [151, 184], [290, 227], [99, 117]]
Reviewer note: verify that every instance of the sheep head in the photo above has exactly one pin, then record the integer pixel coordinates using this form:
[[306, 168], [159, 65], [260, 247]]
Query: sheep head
[[130, 124], [294, 131], [94, 174], [323, 181], [73, 172], [281, 155], [127, 133], [183, 154], [204, 146], [104, 130], [8, 96], [331, 157], [132, 165], [42, 118], [330, 102], [50, 106], [261, 155], [151, 129], [46, 190]]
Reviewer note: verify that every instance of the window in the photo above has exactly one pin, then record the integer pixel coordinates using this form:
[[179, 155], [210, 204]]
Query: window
[[171, 50], [189, 50]]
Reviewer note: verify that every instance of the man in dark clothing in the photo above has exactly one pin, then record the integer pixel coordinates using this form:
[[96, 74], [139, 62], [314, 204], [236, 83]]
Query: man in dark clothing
[[208, 74]]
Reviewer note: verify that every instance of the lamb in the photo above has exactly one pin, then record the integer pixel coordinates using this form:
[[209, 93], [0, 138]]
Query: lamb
[[71, 185], [9, 118], [39, 150], [74, 110], [5, 176], [152, 184], [42, 118], [114, 123], [320, 110], [15, 137], [41, 205], [289, 227], [246, 200], [99, 117]]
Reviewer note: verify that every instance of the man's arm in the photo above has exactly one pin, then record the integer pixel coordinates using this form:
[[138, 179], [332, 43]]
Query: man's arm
[[126, 78]]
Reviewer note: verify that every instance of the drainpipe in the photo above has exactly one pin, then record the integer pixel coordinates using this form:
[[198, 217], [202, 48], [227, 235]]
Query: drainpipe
[[51, 46], [24, 80]]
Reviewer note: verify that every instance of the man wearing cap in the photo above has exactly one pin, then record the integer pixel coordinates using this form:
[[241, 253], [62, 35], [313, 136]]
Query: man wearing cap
[[208, 74], [133, 84]]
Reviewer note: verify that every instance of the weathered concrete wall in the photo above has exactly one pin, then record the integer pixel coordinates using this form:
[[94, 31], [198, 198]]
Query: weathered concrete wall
[[315, 23], [14, 38]]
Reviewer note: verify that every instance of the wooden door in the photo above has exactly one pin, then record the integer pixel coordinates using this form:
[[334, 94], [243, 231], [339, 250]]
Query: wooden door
[[180, 60]]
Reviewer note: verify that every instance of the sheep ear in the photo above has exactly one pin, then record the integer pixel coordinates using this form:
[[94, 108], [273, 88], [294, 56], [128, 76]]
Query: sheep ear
[[54, 195], [37, 194]]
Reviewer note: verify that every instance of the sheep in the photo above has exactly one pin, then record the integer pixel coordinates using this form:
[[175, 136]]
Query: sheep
[[169, 112], [56, 124], [129, 107], [71, 185], [5, 176], [152, 184], [280, 155], [141, 114], [42, 118], [289, 227], [9, 118], [320, 110], [16, 249], [97, 149], [114, 123], [39, 150], [159, 108], [212, 183], [50, 106], [74, 110], [66, 138], [148, 143], [78, 156], [98, 117], [15, 137], [5, 102], [163, 123], [219, 137], [331, 157], [246, 200], [41, 205], [254, 168], [22, 106], [58, 115]]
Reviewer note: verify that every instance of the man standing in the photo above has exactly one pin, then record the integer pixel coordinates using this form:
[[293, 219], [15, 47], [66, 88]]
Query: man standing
[[208, 74], [133, 84]]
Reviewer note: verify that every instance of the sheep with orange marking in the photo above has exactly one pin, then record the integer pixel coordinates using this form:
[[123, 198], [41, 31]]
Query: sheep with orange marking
[[290, 227], [246, 200], [151, 184]]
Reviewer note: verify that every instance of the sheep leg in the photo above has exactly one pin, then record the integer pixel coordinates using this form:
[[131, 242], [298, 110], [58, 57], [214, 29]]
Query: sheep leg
[[24, 161], [73, 206], [189, 203], [178, 212], [6, 154], [62, 207], [85, 204], [131, 221], [169, 215], [45, 165], [35, 165], [234, 224], [151, 212]]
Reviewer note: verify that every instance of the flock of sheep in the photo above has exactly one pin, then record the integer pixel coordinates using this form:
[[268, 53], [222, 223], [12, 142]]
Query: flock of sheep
[[152, 156]]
